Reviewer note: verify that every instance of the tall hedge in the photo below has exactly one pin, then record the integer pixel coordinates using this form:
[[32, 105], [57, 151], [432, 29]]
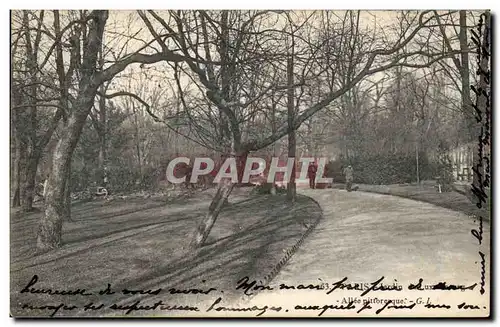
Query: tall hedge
[[384, 169]]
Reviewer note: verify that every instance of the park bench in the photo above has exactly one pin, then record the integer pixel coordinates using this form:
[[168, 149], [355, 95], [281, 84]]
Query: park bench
[[101, 191]]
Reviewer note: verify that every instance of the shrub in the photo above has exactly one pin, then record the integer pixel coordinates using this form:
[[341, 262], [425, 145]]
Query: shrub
[[383, 169], [445, 171], [123, 179], [266, 188], [333, 169]]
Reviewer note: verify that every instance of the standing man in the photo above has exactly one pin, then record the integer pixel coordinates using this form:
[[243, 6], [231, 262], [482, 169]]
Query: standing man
[[311, 173], [348, 177]]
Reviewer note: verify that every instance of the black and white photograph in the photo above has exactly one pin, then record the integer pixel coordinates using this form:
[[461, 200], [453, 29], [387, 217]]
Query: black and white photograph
[[262, 163]]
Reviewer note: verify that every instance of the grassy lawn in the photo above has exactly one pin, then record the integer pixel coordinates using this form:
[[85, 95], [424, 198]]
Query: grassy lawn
[[142, 244], [426, 192]]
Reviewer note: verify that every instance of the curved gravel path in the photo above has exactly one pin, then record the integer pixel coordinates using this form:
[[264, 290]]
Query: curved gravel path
[[364, 237]]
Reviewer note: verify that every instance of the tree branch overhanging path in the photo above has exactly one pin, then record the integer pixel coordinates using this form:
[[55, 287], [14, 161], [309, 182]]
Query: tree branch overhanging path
[[218, 90], [232, 82]]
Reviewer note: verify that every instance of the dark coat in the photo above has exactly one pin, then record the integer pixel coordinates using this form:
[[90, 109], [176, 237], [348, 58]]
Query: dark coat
[[312, 169]]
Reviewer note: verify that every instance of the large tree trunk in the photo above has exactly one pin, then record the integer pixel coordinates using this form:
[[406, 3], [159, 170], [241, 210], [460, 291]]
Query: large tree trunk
[[20, 157], [49, 232], [19, 153], [23, 167], [30, 119], [29, 180], [19, 160], [226, 185], [28, 165], [205, 226], [16, 199], [56, 207], [67, 195]]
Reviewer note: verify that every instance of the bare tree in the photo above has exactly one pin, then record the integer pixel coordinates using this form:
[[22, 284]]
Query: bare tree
[[90, 76], [226, 42], [31, 139], [461, 69], [224, 68]]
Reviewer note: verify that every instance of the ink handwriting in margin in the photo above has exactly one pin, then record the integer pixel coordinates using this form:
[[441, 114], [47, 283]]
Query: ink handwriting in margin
[[483, 118]]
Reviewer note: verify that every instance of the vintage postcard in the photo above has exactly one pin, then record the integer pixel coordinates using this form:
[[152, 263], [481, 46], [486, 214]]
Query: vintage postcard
[[250, 163]]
